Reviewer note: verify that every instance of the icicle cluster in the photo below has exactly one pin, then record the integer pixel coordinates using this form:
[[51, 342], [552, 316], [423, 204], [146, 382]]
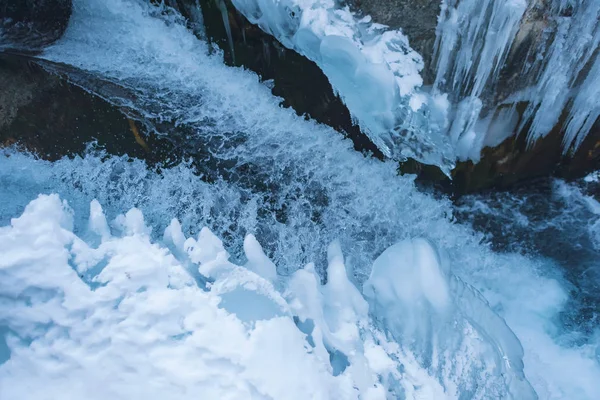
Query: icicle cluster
[[559, 73]]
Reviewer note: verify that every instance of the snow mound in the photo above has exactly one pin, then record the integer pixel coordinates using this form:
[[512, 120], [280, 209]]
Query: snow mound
[[134, 319]]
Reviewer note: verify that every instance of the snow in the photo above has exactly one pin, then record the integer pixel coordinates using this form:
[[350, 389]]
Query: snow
[[125, 319], [147, 331]]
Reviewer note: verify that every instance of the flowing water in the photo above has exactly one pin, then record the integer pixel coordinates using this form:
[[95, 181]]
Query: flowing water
[[299, 186]]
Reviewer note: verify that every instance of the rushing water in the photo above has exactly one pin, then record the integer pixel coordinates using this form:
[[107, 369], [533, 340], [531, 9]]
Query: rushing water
[[298, 186]]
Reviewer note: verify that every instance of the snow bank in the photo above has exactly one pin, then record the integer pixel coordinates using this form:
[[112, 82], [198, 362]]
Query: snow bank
[[129, 318]]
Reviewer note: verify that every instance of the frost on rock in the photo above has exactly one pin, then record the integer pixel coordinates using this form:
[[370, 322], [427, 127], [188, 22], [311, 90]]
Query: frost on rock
[[372, 68], [129, 319]]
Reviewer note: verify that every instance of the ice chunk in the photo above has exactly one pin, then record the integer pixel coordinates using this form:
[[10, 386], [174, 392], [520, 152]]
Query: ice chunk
[[258, 260], [174, 235], [97, 222], [208, 252], [408, 272], [433, 313]]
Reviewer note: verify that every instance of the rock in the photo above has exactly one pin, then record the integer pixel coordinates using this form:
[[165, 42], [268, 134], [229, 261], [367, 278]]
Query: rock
[[514, 163], [297, 80], [51, 117], [29, 25], [416, 18]]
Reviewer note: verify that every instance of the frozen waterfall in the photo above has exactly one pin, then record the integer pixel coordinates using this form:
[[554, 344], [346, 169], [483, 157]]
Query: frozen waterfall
[[545, 52], [372, 68], [489, 57]]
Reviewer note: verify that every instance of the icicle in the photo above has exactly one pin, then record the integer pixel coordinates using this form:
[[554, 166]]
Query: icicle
[[576, 39], [585, 110], [473, 40], [225, 15]]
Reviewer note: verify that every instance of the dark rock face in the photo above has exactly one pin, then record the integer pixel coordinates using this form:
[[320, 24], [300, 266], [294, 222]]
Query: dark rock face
[[297, 80], [416, 18], [51, 117], [514, 163], [29, 25]]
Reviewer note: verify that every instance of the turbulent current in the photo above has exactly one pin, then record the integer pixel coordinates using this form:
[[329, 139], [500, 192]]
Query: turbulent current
[[282, 265]]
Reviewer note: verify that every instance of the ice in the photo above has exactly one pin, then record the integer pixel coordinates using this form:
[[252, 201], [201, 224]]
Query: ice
[[377, 74], [140, 326], [257, 259], [424, 306], [307, 188], [410, 272], [575, 42], [372, 68], [585, 110], [474, 39], [147, 332], [331, 316]]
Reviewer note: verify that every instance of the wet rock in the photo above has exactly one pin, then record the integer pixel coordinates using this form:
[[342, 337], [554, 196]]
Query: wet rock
[[52, 117], [515, 162], [297, 80], [416, 18], [29, 25]]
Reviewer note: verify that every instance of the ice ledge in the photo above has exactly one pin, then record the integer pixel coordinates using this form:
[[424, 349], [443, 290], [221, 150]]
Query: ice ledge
[[372, 68]]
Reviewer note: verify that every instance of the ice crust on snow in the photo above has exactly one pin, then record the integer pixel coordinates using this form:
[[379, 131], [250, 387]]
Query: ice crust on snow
[[371, 67], [126, 318]]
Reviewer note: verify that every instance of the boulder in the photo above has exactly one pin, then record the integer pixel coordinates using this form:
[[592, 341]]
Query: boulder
[[51, 117], [29, 25]]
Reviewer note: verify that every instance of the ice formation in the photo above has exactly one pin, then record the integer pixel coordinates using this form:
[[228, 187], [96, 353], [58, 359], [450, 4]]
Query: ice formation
[[306, 189], [125, 318], [474, 39], [377, 74], [372, 68]]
